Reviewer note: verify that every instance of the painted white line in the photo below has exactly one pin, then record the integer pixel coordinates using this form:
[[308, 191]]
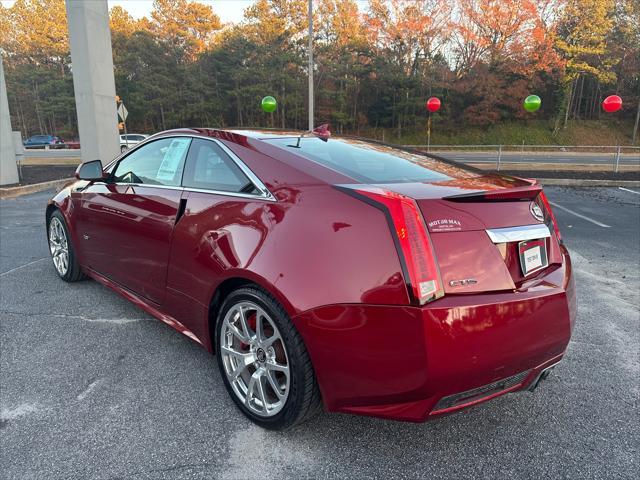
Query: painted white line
[[595, 222], [627, 190], [21, 267]]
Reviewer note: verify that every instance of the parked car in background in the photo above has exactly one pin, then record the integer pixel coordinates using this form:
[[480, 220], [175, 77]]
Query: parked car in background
[[130, 139], [44, 141], [364, 277]]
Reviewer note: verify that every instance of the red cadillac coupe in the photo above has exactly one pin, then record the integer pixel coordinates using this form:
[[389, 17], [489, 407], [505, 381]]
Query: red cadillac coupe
[[345, 273]]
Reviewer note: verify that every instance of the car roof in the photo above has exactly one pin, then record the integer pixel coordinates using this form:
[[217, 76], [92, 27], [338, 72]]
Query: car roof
[[229, 133]]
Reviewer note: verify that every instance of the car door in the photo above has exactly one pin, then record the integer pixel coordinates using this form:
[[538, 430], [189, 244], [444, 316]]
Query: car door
[[125, 225], [221, 229]]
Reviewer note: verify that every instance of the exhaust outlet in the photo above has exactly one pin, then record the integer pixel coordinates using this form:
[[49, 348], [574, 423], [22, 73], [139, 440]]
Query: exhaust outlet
[[543, 375]]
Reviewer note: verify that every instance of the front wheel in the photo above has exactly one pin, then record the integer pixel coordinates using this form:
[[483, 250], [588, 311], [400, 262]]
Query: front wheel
[[263, 361], [63, 254]]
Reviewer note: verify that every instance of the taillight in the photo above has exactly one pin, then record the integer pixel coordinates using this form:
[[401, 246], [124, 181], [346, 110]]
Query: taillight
[[411, 238], [547, 208]]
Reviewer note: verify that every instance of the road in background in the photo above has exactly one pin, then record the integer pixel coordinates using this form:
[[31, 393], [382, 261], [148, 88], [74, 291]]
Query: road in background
[[472, 156], [92, 387], [538, 157]]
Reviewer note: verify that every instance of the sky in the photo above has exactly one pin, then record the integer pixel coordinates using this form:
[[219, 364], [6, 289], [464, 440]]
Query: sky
[[227, 10]]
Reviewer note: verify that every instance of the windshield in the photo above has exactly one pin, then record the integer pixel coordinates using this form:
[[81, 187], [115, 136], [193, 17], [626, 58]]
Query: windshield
[[370, 162]]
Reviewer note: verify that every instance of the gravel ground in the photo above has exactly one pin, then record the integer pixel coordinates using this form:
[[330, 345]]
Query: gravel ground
[[91, 387]]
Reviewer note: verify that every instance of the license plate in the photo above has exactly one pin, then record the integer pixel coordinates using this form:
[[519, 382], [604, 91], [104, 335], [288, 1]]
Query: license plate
[[533, 256]]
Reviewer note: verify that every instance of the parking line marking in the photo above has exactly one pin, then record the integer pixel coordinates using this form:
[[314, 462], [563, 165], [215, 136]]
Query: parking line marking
[[603, 225], [627, 190], [21, 267]]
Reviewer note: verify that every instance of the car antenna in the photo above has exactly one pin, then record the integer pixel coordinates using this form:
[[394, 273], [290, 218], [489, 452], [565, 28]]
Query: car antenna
[[321, 131]]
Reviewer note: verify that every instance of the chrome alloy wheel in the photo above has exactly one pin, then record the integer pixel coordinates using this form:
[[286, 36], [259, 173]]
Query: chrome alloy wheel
[[255, 359], [59, 246]]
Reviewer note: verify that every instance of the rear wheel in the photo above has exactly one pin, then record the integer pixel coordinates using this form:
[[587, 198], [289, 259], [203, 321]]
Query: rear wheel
[[264, 364], [63, 254], [123, 148]]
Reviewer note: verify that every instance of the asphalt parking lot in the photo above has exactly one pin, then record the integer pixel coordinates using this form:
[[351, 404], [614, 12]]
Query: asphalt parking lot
[[92, 387]]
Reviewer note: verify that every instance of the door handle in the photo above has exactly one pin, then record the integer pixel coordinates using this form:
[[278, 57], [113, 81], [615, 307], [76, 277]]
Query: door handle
[[181, 209]]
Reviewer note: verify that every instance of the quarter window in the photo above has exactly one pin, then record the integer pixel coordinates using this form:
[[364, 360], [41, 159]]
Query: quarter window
[[157, 163], [209, 167]]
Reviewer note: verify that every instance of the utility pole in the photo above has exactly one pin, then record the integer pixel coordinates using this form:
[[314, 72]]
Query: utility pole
[[310, 65]]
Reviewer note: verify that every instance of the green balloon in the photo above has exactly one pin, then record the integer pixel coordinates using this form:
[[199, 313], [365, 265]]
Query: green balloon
[[269, 104], [532, 103]]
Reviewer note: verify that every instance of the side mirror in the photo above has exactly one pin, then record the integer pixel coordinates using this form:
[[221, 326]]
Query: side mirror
[[91, 171]]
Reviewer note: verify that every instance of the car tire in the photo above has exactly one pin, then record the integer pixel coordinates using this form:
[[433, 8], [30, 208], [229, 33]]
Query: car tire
[[63, 254], [123, 148], [299, 396]]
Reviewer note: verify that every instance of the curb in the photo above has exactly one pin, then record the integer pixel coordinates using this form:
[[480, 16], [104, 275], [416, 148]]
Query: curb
[[13, 192], [575, 182]]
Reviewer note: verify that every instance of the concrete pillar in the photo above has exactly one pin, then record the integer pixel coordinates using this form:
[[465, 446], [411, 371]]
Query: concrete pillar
[[8, 168], [93, 81]]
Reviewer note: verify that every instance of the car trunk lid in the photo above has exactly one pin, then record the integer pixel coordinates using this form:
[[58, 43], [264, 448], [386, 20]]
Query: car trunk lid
[[477, 226]]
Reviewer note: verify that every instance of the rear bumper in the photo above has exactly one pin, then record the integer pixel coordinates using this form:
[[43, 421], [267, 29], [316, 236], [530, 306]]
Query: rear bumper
[[409, 363]]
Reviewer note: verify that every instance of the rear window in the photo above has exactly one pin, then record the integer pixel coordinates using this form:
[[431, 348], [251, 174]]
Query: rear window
[[370, 162]]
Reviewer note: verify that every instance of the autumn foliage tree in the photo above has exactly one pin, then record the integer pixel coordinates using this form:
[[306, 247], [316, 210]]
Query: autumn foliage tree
[[376, 63], [582, 41], [502, 51]]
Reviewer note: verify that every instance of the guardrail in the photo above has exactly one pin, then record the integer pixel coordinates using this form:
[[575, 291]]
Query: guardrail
[[614, 155]]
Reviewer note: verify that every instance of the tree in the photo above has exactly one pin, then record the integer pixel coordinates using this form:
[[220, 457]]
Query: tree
[[502, 49], [375, 64], [407, 38], [122, 23], [623, 42], [581, 40], [185, 27], [34, 39]]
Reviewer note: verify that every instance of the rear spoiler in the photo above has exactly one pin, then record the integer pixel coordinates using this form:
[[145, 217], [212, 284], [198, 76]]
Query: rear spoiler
[[526, 193]]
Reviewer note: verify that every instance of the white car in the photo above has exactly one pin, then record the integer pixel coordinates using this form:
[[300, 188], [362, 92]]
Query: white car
[[130, 139]]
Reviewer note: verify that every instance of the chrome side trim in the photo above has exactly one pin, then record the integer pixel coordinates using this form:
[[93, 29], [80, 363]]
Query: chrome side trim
[[269, 197], [189, 189], [518, 234], [265, 194], [246, 170]]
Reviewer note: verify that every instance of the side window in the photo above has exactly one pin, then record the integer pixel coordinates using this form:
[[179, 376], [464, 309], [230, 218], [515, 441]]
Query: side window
[[209, 167], [157, 163]]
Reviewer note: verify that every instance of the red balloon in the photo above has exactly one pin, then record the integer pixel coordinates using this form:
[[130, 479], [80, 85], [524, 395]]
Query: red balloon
[[433, 104], [612, 103]]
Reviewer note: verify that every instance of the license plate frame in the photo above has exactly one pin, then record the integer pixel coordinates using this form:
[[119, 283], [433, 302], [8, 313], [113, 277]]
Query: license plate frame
[[533, 256]]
